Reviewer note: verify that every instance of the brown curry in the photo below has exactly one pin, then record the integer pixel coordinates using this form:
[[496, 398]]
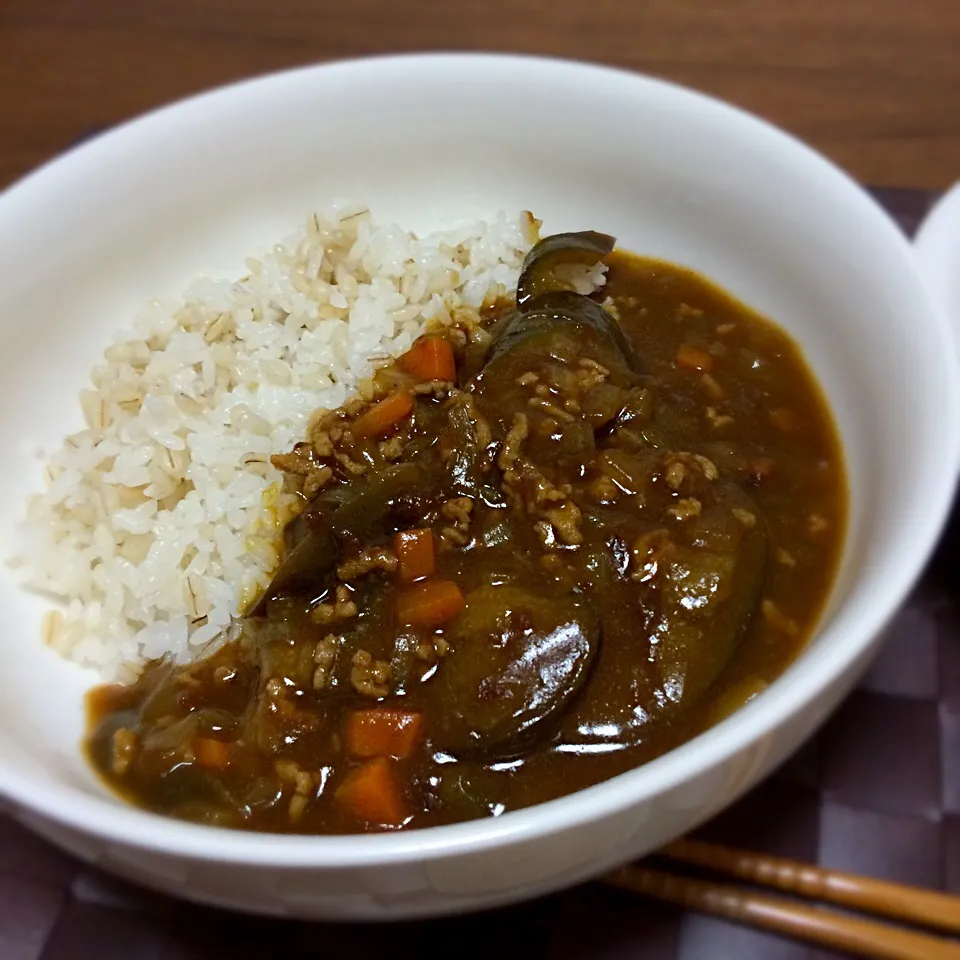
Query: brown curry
[[547, 548]]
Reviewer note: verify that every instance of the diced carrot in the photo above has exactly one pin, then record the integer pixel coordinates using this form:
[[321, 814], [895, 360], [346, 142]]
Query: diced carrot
[[690, 357], [371, 793], [416, 554], [211, 753], [382, 732], [382, 417], [430, 358], [430, 603]]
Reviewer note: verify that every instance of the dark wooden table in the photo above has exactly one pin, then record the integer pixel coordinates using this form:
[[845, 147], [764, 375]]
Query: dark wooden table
[[874, 84]]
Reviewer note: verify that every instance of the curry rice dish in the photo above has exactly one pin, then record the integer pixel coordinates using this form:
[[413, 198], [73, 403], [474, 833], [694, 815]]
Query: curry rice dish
[[550, 541]]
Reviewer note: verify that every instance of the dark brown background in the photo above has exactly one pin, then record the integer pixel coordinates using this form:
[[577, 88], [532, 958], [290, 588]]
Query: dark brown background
[[874, 84]]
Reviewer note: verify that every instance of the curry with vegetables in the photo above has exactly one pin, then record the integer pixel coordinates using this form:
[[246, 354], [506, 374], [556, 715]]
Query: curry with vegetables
[[540, 550]]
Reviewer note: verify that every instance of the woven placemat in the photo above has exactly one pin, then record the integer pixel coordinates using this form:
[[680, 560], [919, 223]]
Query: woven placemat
[[877, 791]]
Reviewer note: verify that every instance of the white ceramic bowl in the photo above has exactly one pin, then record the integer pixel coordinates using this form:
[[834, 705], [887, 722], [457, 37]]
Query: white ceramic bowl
[[195, 187], [938, 248]]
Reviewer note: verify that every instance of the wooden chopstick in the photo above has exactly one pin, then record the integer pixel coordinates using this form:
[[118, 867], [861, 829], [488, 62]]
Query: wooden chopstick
[[863, 937], [922, 907]]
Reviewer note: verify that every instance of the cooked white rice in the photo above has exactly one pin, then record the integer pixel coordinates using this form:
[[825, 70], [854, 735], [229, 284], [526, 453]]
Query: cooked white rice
[[161, 518]]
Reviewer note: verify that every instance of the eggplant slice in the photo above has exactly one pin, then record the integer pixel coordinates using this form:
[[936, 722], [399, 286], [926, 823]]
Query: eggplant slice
[[516, 662], [538, 274]]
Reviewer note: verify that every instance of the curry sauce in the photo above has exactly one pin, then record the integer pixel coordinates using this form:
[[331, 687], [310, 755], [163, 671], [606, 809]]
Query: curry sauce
[[547, 548]]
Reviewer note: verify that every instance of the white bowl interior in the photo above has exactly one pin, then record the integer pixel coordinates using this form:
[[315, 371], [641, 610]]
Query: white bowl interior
[[194, 189], [938, 249]]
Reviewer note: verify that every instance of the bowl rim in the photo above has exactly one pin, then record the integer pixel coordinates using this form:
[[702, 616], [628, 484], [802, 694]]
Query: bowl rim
[[796, 689], [937, 246]]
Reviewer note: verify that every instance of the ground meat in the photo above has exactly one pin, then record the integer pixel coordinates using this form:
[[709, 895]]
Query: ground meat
[[458, 510], [452, 537], [686, 508], [316, 480], [286, 770], [429, 650], [353, 468], [370, 677], [610, 306], [785, 557], [391, 449], [298, 803], [481, 427], [304, 785], [304, 782], [124, 750], [540, 491], [324, 656], [551, 409], [546, 533], [647, 553], [375, 558], [356, 405], [718, 420], [321, 433], [457, 337], [304, 789], [436, 388], [513, 443], [675, 474], [603, 489], [341, 609], [300, 461], [565, 518], [468, 327], [816, 524], [681, 471], [588, 363], [707, 467], [330, 440], [590, 374], [529, 488], [777, 619], [425, 652]]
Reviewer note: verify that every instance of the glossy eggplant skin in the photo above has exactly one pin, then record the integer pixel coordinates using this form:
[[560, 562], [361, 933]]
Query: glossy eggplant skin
[[543, 314], [538, 275], [685, 608], [520, 658]]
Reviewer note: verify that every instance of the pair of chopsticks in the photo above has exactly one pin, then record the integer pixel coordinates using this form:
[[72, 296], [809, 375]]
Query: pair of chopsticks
[[860, 937]]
